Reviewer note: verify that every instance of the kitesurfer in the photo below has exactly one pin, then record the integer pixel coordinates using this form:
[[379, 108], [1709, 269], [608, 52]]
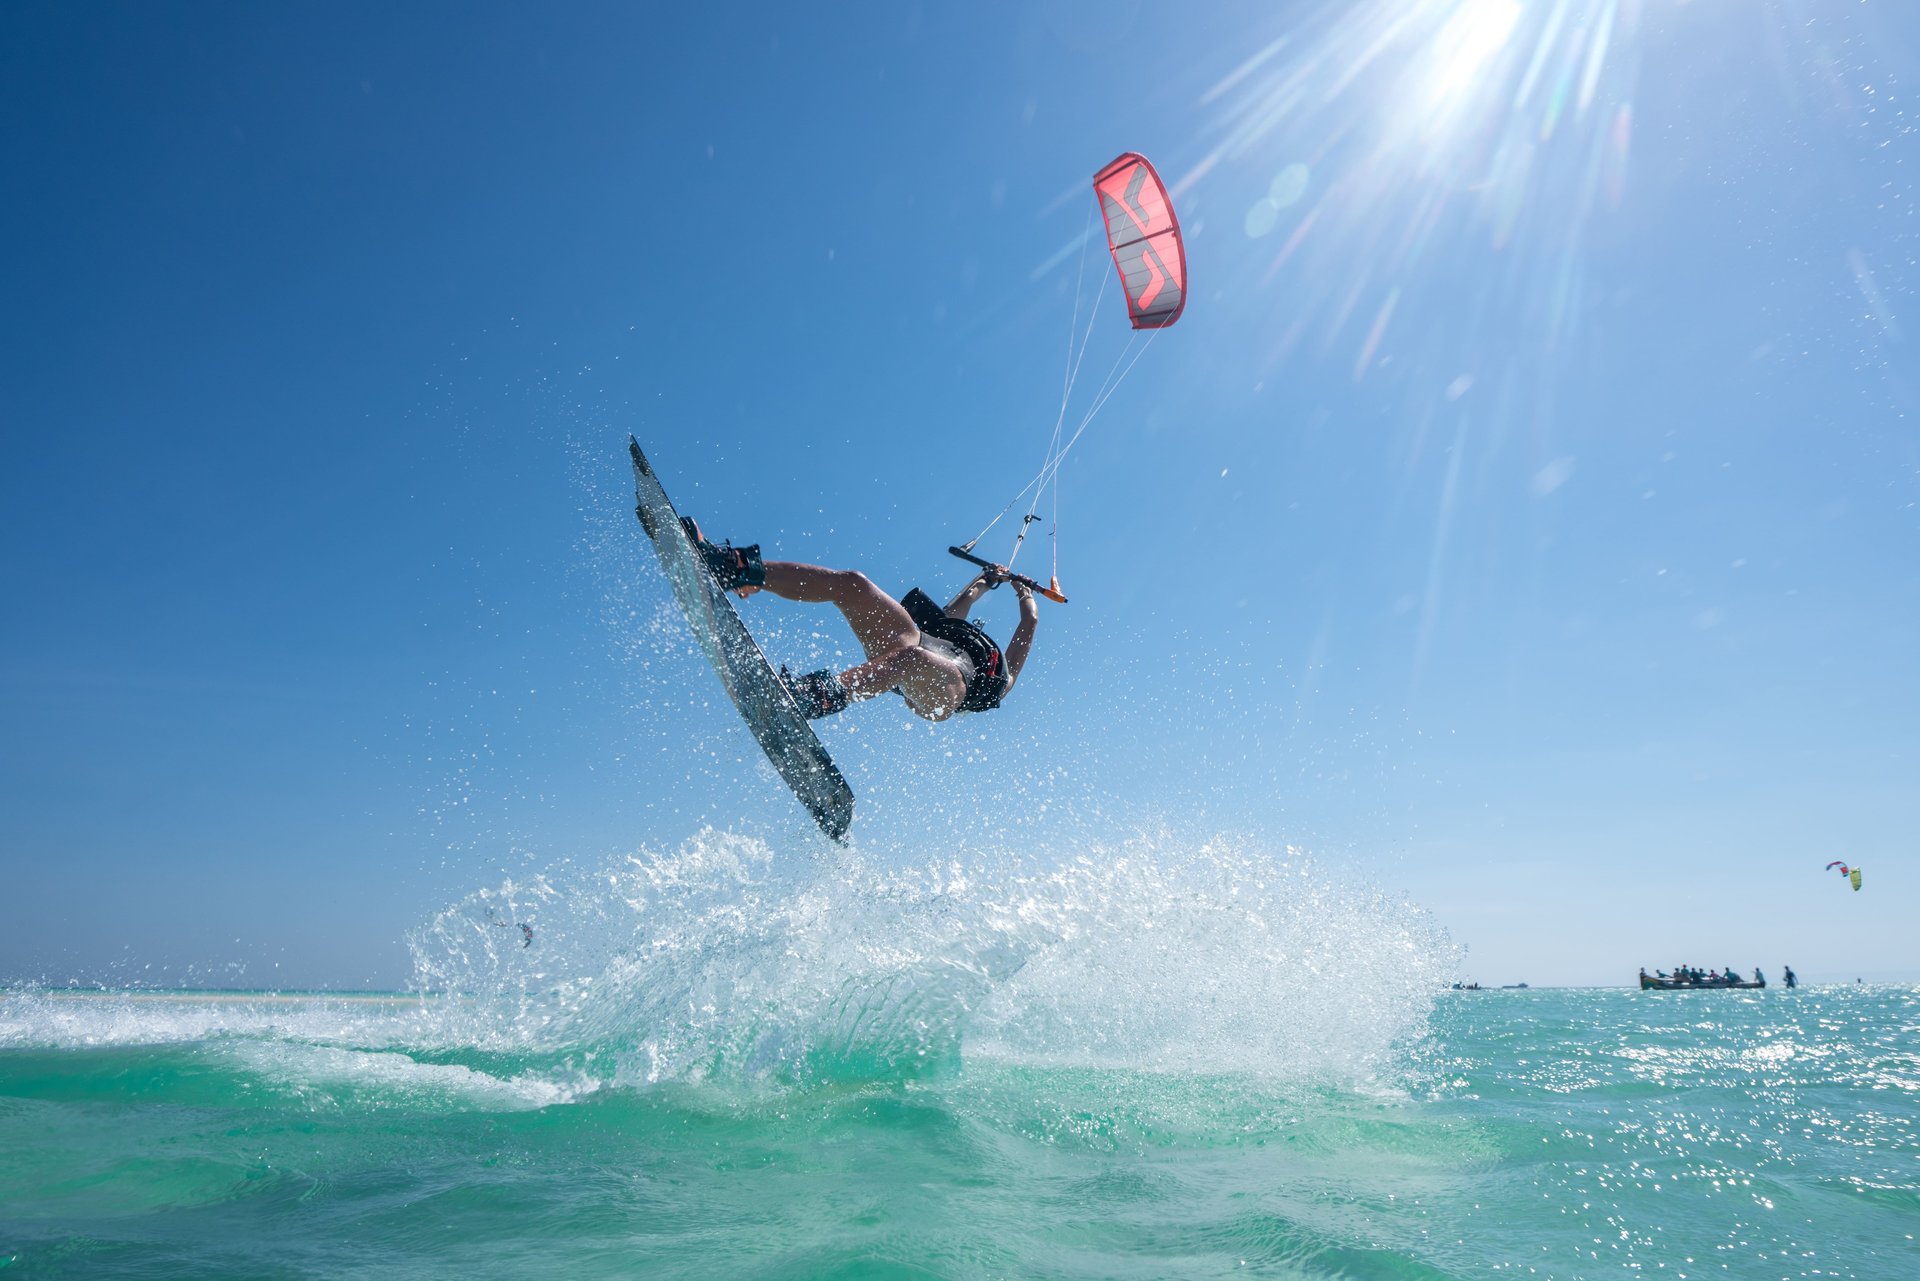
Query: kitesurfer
[[1792, 981], [936, 659]]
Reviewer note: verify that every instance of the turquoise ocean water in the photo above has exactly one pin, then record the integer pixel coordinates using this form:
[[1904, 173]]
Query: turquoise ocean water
[[1151, 1063]]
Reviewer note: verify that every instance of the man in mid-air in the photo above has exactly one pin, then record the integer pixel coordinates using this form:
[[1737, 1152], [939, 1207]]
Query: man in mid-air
[[936, 659]]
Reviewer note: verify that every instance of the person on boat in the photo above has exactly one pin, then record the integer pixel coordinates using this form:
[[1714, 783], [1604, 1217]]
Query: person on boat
[[936, 659], [1758, 977], [1732, 975]]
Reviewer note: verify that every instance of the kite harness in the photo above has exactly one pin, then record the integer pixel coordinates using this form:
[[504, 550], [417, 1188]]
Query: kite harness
[[987, 681]]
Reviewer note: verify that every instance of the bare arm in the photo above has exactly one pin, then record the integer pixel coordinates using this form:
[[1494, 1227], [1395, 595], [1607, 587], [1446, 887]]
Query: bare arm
[[1022, 642], [973, 591]]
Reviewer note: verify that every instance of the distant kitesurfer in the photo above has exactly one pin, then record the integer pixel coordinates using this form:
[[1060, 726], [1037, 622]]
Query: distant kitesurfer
[[936, 659], [526, 931], [1792, 980]]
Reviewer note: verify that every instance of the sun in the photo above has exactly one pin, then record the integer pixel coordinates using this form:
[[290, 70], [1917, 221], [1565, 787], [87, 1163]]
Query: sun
[[1470, 39]]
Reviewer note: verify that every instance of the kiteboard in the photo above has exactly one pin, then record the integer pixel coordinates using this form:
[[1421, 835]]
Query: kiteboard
[[768, 709]]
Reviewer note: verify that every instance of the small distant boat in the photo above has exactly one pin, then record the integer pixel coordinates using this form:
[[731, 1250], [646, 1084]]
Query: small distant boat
[[1650, 984]]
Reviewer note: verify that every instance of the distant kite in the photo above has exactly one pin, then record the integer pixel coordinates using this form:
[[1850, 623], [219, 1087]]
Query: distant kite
[[1851, 873]]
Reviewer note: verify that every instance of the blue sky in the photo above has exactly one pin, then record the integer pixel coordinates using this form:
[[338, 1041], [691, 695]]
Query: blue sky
[[1521, 519]]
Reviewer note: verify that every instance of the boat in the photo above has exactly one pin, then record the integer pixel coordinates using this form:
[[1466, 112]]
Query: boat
[[1648, 983]]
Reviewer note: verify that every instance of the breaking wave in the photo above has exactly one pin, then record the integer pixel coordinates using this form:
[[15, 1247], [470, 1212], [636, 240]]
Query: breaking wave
[[719, 962]]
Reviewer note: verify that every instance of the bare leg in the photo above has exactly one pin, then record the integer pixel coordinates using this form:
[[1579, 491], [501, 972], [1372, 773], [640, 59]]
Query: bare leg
[[932, 684], [880, 622]]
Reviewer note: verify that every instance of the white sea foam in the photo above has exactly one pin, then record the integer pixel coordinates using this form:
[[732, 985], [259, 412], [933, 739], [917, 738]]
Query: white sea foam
[[326, 1076], [54, 1018], [323, 1048]]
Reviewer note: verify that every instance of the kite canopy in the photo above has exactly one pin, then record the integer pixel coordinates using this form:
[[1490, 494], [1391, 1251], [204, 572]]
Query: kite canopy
[[1144, 237], [1851, 873]]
